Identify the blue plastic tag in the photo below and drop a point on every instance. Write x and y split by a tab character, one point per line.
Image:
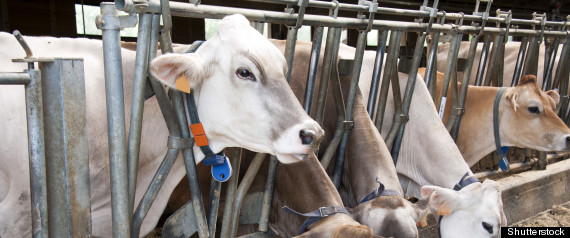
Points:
222	172
504	163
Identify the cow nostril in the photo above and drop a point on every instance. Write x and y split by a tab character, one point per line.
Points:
307	137
568	140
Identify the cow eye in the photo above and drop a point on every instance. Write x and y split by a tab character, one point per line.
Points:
534	110
244	73
488	227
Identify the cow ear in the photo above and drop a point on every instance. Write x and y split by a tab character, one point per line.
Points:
443	200
529	78
512	96
179	71
421	208
554	95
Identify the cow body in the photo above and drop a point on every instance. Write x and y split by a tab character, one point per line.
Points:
257	131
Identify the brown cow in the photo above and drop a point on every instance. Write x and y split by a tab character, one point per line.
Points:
527	119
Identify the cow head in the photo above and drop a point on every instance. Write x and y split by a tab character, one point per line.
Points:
474	211
528	118
392	216
243	99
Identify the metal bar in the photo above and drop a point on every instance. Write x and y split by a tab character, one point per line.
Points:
411	13
36	152
378	63
451	64
531	60
215	192
412	75
208	11
389	69
355	75
153	189
546	85
116	126
398	109
235	157
243	187
137	104
313	67
520	60
268	194
483	61
14	78
560	77
464	85
495	70
65	124
290	51
430	77
326	73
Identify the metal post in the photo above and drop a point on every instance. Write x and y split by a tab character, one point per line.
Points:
116	124
313	66
63	86
326	72
483	61
215	193
561	78
290	50
531	60
430	77
137	105
355	75
235	156
389	69
451	64
549	68
412	75
378	63
36	152
268	194
520	60
495	71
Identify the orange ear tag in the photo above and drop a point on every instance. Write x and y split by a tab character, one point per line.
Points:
182	84
443	210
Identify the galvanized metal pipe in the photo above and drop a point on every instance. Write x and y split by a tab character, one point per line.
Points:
412	75
313	67
451	66
531	60
548	70
36	152
235	157
560	77
495	70
208	11
520	60
355	75
268	194
378	63
389	69
137	104
430	77
215	193
459	110
483	61
243	187
14	78
398	110
116	125
153	189
290	51
326	73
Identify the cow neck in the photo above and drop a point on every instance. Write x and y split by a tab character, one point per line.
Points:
221	167
463	182
380	191
503	162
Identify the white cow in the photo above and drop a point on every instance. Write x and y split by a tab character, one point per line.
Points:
428	156
242	99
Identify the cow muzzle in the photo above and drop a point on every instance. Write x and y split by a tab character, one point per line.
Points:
295	143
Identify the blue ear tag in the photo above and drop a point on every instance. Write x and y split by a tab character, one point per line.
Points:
222	172
503	162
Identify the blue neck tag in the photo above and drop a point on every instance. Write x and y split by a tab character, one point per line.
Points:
503	162
222	172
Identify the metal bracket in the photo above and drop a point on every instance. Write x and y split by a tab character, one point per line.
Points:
432	11
195	2
405	118
372	8
333	12
180	143
115	22
347	125
508	16
484	15
542	18
459	111
303	4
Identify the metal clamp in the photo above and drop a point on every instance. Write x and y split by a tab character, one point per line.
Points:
196	2
303	4
484	15
180	143
110	21
372	8
508	16
333	12
405	118
542	18
459	22
459	111
347	125
432	12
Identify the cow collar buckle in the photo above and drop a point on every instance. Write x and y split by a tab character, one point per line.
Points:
325	211
380	191
463	182
316	215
